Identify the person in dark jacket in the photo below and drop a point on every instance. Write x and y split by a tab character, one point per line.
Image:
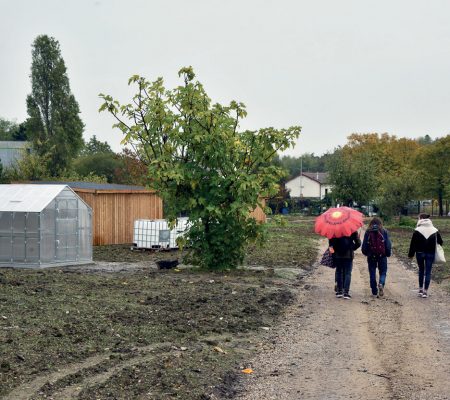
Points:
423	245
377	247
343	252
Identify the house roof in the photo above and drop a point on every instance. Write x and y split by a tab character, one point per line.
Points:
320	177
27	198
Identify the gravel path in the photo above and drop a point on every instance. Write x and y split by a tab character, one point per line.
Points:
395	347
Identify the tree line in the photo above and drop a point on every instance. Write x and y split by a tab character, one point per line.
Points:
390	171
55	129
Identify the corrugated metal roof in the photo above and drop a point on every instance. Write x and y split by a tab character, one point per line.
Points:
27	198
9	144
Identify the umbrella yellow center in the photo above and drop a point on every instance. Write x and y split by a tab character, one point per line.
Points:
336	214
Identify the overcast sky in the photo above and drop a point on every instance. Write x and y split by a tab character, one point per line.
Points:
332	66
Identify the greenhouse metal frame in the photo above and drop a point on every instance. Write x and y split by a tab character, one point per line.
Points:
43	226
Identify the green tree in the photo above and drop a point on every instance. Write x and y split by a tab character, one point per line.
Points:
54	123
353	177
100	164
202	163
10	130
95	146
434	164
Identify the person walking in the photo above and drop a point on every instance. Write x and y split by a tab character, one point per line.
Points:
377	247
342	249
423	245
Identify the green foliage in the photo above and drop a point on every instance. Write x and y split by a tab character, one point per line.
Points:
95	146
434	164
54	124
202	163
396	192
133	170
30	167
372	167
407	222
99	164
354	178
10	130
306	162
75	177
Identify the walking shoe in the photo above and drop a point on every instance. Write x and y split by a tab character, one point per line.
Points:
424	294
380	290
420	292
347	296
339	295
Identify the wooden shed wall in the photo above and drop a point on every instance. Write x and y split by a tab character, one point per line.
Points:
114	213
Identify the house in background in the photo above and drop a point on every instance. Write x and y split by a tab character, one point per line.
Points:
311	185
12	151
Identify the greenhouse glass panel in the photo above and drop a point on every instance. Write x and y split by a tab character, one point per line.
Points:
43	225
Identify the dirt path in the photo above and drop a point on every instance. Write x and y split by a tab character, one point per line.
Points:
395	347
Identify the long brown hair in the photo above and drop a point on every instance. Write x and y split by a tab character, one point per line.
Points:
376	221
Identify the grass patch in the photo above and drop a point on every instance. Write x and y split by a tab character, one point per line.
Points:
292	245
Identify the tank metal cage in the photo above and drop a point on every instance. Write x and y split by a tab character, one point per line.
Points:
42	226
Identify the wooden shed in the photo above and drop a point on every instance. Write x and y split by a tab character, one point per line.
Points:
258	213
115	208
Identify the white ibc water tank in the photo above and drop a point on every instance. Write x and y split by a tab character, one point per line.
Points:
156	234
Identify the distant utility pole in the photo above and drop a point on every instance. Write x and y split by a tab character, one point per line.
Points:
301	177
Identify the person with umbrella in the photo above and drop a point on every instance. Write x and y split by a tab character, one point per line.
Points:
340	226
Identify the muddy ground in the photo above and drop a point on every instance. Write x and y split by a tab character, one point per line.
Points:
121	329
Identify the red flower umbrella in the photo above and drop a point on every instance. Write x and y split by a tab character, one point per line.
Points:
338	222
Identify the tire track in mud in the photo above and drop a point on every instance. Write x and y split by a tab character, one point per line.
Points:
31	389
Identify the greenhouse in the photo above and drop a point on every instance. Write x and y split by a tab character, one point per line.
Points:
43	226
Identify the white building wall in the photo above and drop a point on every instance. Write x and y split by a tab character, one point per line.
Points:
310	188
324	189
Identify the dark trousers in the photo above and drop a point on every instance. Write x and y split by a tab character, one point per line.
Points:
425	263
373	264
343	274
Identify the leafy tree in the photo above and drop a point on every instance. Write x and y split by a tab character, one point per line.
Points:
95	146
202	163
30	167
10	130
366	169
396	192
424	140
434	164
99	164
353	177
54	123
133	170
306	162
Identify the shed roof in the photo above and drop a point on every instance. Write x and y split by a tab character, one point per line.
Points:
28	198
91	186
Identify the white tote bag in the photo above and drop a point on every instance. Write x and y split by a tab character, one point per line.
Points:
439	256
